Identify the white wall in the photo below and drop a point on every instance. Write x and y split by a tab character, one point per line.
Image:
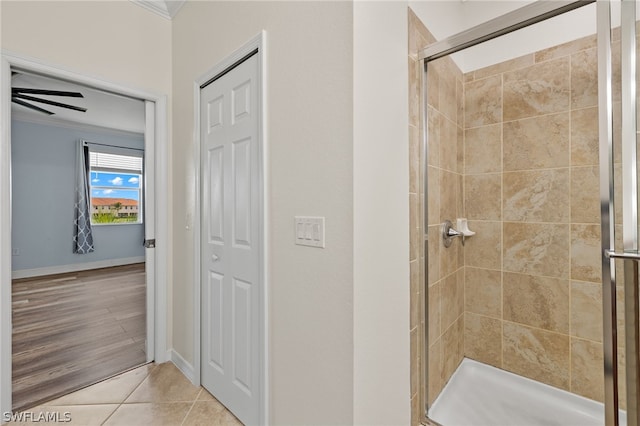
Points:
43	194
381	214
309	119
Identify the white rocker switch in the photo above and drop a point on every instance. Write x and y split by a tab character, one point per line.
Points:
309	231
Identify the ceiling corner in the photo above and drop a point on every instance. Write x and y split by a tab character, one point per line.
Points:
165	8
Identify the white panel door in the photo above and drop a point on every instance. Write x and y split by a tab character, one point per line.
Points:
231	241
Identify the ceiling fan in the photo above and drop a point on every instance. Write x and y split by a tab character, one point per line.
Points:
20	96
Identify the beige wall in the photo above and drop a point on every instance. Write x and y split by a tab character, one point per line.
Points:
116	40
310	172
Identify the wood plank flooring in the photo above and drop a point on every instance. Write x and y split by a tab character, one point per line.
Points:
73	330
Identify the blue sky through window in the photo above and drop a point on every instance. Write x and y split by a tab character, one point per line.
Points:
115	185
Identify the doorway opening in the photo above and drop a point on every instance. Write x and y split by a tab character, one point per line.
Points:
133	279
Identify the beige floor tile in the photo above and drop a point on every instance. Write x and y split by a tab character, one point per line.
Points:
207	413
205	396
81	415
114	390
169	413
164	383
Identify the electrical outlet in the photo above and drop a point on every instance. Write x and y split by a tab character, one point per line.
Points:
15	252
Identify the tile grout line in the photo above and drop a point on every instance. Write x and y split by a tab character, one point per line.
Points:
193	404
128	396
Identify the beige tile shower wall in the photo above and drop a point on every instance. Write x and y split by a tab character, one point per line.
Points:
533	297
445	176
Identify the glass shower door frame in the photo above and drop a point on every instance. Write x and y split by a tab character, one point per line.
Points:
629	181
520	18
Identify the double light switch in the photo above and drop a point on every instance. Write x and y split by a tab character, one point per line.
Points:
309	231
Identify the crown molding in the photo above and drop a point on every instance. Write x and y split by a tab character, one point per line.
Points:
165	8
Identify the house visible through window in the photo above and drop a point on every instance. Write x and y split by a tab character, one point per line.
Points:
116	188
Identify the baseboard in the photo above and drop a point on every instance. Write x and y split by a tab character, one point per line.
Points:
63	269
183	365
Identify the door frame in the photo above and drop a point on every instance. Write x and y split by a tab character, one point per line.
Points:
158	290
256	43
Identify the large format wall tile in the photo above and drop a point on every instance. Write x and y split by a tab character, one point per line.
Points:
483	102
483	196
433	194
453	348
433	137
585	253
537	196
435	370
584	78
585	194
537	249
537	354
483	292
414	95
536	90
414	159
584	137
452	300
484	250
448	196
433	261
586	310
435	322
483	149
448	144
565	49
540	302
539	142
483	339
586	365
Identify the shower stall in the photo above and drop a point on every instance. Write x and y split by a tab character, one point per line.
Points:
524	225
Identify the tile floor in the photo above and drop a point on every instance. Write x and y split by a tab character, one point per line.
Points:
148	395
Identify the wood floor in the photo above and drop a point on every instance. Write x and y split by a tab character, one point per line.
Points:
73	330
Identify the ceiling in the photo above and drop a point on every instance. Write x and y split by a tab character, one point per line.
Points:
103	109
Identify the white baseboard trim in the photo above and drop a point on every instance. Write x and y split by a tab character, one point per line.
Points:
63	269
183	365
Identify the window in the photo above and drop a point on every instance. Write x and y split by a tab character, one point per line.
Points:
116	187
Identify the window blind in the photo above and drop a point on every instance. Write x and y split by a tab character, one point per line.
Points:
103	160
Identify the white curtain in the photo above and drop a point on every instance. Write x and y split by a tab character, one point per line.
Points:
82	237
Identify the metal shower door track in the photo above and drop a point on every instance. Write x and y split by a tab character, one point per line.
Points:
520	18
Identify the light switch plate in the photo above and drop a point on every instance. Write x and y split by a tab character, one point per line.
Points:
309	231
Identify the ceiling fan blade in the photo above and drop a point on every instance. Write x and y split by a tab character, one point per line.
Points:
28	105
48	102
17	90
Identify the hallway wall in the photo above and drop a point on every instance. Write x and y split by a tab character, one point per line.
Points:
309	172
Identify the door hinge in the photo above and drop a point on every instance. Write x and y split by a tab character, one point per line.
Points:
150	243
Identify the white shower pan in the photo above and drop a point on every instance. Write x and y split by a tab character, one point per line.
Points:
481	395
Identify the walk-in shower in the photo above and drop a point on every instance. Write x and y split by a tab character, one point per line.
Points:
534	319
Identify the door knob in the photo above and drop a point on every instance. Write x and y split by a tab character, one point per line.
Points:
214	257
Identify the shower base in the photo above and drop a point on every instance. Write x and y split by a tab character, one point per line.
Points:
481	395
